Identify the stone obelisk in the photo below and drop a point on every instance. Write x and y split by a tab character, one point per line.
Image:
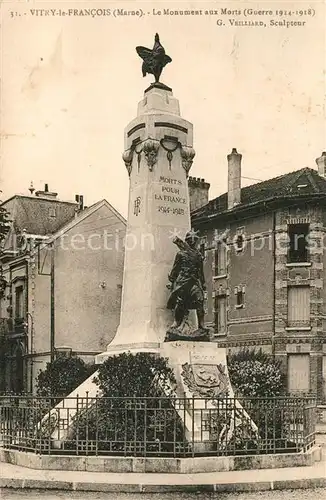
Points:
158	155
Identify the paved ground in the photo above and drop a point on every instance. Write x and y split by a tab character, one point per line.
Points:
313	494
264	484
16	477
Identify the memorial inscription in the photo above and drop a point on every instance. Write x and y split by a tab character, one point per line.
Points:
170	193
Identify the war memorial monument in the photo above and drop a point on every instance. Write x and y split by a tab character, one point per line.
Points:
162	309
163	286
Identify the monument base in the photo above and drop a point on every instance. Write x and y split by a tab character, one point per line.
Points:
199	335
158	85
134	348
199	367
201	374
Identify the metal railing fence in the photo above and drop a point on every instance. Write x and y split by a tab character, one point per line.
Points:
165	426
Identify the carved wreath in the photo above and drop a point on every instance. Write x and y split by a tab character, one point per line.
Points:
187	157
150	149
127	158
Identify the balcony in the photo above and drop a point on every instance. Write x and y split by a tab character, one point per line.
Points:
298	325
12	327
298	264
19	326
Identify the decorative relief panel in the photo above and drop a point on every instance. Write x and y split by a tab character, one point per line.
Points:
150	148
187	157
204	380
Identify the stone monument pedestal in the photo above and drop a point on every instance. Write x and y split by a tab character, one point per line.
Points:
158	155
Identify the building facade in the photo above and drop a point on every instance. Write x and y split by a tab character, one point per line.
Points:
265	265
62	269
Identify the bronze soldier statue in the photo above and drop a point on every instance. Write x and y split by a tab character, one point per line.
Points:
187	285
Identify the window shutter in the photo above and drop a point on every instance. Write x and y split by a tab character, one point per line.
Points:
298	306
298	373
220	314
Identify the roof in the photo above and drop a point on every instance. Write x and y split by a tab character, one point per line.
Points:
82	215
301	183
71	219
39	215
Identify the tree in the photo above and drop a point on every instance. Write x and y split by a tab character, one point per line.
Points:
4	223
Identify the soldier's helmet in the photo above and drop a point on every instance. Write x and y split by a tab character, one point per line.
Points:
192	237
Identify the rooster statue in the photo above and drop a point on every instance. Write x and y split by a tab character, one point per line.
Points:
153	60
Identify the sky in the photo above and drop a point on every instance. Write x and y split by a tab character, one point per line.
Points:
70	85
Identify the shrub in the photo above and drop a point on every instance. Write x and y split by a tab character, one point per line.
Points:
130	414
139	375
62	376
255	374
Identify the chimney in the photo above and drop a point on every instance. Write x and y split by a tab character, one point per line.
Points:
234	178
80	200
46	193
321	163
31	188
198	192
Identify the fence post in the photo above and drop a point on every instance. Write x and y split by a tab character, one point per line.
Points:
96	424
184	423
193	427
135	420
145	428
87	434
77	423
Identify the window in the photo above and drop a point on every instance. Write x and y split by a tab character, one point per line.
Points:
220	315
324	376
52	212
298	373
298	306
298	242
239	297
19	303
220	258
239	241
